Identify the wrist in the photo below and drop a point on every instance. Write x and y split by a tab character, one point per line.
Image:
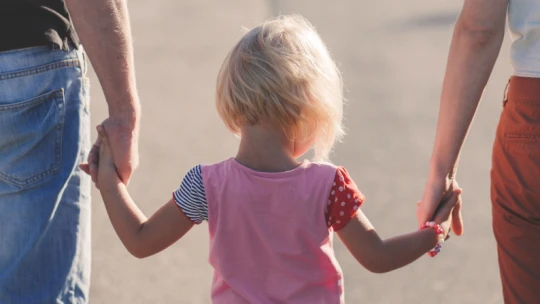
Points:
438	172
111	176
436	234
126	113
125	120
442	169
440	179
431	238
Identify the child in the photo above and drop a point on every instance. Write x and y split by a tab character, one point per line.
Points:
271	217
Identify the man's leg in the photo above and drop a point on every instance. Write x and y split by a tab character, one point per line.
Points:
44	197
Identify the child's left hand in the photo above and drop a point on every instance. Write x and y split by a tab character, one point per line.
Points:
443	214
107	173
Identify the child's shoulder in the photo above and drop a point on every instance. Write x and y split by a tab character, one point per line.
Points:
329	166
339	173
218	169
224	166
223	163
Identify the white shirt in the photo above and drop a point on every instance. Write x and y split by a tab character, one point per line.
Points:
524	26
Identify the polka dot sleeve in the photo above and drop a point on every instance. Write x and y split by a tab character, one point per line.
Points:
344	200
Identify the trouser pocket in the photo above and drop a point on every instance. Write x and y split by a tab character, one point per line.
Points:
31	138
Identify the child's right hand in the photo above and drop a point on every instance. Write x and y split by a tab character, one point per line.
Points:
443	214
107	173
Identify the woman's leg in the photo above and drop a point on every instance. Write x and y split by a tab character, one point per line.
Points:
515	192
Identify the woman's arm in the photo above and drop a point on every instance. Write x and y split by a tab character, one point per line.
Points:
475	46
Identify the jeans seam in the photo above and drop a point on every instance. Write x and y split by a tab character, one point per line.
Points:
29	103
31	179
58	147
41	69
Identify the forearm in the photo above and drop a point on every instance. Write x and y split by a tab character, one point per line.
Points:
402	250
471	59
126	218
104	29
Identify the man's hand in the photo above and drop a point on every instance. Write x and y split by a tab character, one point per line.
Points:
434	194
124	142
123	138
107	173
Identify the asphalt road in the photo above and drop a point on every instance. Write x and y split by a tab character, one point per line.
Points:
392	55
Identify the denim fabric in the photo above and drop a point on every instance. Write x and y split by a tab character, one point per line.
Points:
44	196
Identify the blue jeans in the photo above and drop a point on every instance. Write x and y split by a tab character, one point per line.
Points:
44	196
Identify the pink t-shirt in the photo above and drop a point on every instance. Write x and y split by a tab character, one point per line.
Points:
271	233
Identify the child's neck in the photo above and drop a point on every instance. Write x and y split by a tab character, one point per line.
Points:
266	149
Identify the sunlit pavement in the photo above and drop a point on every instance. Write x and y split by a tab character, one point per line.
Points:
392	55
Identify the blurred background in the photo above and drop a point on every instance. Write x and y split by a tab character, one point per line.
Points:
392	55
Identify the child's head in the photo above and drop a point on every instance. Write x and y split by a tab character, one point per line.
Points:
281	74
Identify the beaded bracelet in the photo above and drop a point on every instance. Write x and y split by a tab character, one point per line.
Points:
440	237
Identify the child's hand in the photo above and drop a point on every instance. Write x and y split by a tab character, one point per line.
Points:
107	173
443	214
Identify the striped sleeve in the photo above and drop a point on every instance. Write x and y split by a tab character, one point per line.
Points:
191	197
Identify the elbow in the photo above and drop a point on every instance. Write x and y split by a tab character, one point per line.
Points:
377	269
380	270
477	33
139	254
138	251
376	265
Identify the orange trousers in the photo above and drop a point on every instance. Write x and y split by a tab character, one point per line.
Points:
515	192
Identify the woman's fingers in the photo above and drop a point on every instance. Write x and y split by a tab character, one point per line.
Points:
457	220
447	205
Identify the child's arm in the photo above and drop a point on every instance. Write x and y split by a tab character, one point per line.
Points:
380	256
142	237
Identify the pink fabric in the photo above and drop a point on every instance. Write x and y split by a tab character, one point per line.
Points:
269	242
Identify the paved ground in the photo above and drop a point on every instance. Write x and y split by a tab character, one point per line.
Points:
392	54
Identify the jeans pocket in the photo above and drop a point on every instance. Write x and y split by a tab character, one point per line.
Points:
31	139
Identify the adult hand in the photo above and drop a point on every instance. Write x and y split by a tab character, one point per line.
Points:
123	138
444	213
107	173
434	193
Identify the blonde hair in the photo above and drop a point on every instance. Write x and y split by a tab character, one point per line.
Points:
282	73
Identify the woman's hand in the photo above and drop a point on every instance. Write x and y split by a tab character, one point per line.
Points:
434	198
444	213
